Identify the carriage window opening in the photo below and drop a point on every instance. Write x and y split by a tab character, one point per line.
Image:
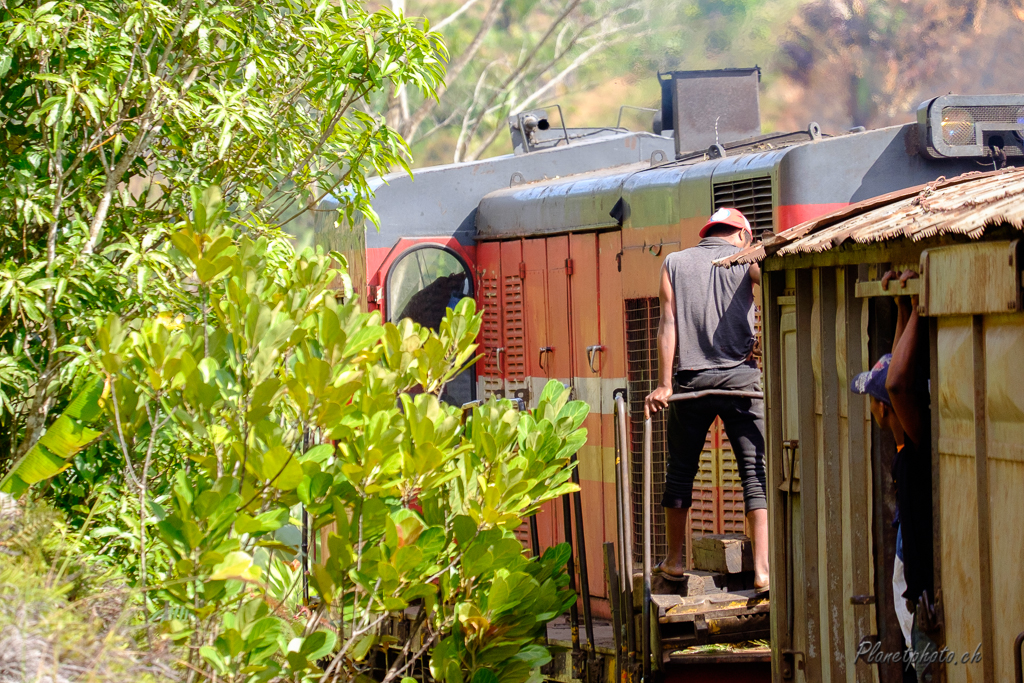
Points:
424	282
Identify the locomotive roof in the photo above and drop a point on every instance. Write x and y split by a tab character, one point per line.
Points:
583	201
964	205
574	203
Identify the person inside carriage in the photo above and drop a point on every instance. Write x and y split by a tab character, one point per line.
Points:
707	322
898	389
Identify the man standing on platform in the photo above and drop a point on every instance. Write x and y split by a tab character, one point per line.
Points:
706	341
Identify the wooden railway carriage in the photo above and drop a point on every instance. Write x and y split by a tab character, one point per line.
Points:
826	319
561	244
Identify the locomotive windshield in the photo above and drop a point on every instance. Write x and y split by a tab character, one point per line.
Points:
422	284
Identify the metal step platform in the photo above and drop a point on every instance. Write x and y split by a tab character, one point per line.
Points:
654	622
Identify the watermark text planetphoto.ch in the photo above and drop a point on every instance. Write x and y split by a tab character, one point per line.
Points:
873	654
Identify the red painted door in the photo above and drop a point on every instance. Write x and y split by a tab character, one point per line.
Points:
558	362
585	338
538	362
611	364
535	256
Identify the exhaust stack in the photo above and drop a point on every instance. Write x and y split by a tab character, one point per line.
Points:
705	108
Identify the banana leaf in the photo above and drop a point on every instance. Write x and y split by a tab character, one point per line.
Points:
52	454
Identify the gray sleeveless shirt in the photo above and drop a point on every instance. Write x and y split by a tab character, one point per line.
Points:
714	306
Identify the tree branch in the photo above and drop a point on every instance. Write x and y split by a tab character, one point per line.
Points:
455	70
453	16
503	88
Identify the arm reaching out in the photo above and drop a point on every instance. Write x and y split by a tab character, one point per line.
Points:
658	399
904	312
902	381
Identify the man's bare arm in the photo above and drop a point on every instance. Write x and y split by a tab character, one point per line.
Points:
658	399
755	273
903	312
902	382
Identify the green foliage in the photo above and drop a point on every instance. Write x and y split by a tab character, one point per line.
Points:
184	384
111	111
263	391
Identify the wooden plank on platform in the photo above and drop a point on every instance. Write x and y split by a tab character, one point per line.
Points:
726	553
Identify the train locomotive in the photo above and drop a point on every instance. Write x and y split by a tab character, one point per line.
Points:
561	244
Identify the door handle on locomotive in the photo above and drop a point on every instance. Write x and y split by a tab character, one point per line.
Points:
592	351
497	357
540	356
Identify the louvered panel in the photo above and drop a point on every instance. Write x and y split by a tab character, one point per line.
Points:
752	196
515	330
704	509
731	512
490	330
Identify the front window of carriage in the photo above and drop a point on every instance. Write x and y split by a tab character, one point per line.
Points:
424	282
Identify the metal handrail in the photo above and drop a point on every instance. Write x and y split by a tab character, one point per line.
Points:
625	529
648	466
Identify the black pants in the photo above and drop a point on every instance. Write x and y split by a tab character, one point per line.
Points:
688	424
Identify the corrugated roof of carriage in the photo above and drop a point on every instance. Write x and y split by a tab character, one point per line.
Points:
964	205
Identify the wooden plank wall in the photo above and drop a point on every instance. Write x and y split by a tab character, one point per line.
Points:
855	419
840	543
832	554
1004	413
773	342
808	610
981	476
961	589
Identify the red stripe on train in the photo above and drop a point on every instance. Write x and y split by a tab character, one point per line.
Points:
794	214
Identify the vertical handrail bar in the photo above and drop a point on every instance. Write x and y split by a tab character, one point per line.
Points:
574	614
626	556
581	553
614	601
627	497
648	477
617	592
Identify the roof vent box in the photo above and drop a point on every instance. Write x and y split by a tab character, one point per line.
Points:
710	107
971	126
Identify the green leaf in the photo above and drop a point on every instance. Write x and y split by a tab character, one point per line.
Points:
362	647
281	470
318	644
64	439
236	565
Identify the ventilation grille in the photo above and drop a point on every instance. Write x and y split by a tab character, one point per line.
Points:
490	331
752	196
642	317
515	330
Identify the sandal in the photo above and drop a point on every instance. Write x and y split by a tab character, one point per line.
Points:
660	571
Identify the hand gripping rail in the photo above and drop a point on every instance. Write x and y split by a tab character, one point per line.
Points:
648	488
